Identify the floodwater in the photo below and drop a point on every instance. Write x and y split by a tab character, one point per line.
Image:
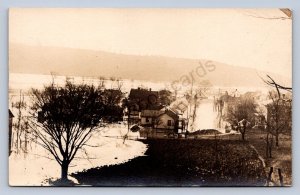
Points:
205	115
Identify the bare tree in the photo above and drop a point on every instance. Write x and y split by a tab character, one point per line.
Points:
128	105
112	80
63	119
119	84
269	143
175	90
21	124
196	103
280	110
242	112
279	116
101	82
271	82
189	99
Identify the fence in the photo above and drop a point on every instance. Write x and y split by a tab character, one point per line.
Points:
270	180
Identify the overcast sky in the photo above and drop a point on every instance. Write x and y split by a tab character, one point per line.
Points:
240	37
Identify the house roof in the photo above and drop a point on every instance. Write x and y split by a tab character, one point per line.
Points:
151	113
145	99
143	94
170	113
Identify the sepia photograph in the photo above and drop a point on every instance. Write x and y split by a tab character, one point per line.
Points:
151	97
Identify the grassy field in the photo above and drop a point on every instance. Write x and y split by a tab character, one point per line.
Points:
184	162
281	156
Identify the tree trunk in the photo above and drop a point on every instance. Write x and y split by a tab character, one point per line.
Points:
10	136
128	126
64	171
267	147
243	131
277	139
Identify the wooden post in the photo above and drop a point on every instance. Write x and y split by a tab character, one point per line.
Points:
267	148
280	177
270	175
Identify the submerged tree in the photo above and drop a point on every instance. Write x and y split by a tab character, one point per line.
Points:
129	105
63	119
21	124
113	108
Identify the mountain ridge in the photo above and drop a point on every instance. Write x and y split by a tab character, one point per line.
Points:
82	62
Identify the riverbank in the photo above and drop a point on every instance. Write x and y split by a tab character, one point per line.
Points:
178	162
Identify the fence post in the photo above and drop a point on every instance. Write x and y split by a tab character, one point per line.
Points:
270	175
280	177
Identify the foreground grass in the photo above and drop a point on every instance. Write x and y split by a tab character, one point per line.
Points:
281	156
181	162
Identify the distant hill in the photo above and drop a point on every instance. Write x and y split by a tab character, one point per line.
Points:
79	62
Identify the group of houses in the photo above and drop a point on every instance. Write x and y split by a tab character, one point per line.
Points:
149	113
265	109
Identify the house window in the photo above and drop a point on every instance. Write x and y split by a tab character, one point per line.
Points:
169	123
179	123
147	120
